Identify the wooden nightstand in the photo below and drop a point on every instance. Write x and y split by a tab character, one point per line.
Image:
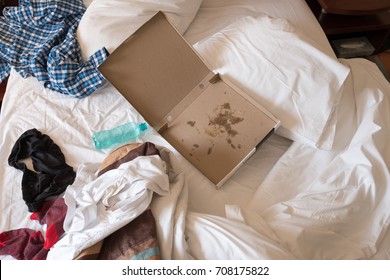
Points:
355	7
370	19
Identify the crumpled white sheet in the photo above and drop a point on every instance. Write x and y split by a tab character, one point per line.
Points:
317	204
27	105
213	237
98	206
335	205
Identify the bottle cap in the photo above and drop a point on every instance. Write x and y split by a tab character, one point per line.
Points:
143	126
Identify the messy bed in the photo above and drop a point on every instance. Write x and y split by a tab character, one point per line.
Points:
317	188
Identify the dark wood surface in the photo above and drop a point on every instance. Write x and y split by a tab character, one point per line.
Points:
5	3
355	7
338	24
376	27
2	91
2	88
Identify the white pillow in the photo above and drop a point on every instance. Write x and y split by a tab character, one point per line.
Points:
283	70
107	23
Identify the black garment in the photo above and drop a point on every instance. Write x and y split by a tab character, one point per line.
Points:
52	174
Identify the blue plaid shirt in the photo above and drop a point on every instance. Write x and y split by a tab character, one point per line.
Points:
38	38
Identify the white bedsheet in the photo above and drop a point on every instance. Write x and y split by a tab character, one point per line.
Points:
278	197
70	123
321	204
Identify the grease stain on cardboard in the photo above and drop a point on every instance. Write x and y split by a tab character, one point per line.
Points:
221	124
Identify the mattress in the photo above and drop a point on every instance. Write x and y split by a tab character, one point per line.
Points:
316	189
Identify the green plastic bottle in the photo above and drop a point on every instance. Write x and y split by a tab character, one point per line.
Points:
118	135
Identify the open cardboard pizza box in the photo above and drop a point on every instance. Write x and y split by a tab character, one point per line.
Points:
210	121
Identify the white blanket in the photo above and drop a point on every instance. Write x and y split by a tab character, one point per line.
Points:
321	204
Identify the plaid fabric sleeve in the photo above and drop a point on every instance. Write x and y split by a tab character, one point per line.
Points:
38	38
67	74
5	42
4	70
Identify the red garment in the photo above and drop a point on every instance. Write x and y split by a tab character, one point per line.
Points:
27	244
22	244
